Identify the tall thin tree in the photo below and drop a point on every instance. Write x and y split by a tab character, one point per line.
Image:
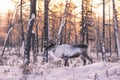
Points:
46	3
103	34
98	38
22	29
21	20
62	24
86	20
110	31
11	26
82	24
36	38
116	33
29	32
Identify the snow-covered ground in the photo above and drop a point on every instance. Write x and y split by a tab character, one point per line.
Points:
11	69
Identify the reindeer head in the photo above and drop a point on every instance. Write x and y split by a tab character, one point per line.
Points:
51	44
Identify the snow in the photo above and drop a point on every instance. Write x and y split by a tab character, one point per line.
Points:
61	27
32	17
100	71
33	32
22	48
13	70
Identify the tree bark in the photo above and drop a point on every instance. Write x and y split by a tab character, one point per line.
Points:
62	25
86	21
29	32
116	33
103	35
98	38
75	31
34	47
22	29
36	39
110	32
21	20
11	28
83	26
46	38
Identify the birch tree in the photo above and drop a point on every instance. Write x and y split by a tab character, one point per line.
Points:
62	24
29	32
22	29
11	26
116	33
6	40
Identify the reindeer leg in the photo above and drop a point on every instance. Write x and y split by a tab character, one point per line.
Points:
90	59
66	61
84	60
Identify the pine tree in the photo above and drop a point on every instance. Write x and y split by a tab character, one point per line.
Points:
86	21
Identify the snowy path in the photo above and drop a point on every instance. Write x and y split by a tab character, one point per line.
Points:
96	71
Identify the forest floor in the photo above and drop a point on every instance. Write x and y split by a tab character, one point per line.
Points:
11	69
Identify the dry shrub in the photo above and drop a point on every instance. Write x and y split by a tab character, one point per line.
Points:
112	58
3	60
26	69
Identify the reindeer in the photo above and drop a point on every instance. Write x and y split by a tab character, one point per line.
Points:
66	52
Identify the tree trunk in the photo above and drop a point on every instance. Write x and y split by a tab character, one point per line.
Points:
116	33
110	32
75	32
62	25
60	31
83	26
53	29
29	32
34	47
69	34
6	40
98	38
103	35
22	29
64	34
46	3
10	29
36	39
21	20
